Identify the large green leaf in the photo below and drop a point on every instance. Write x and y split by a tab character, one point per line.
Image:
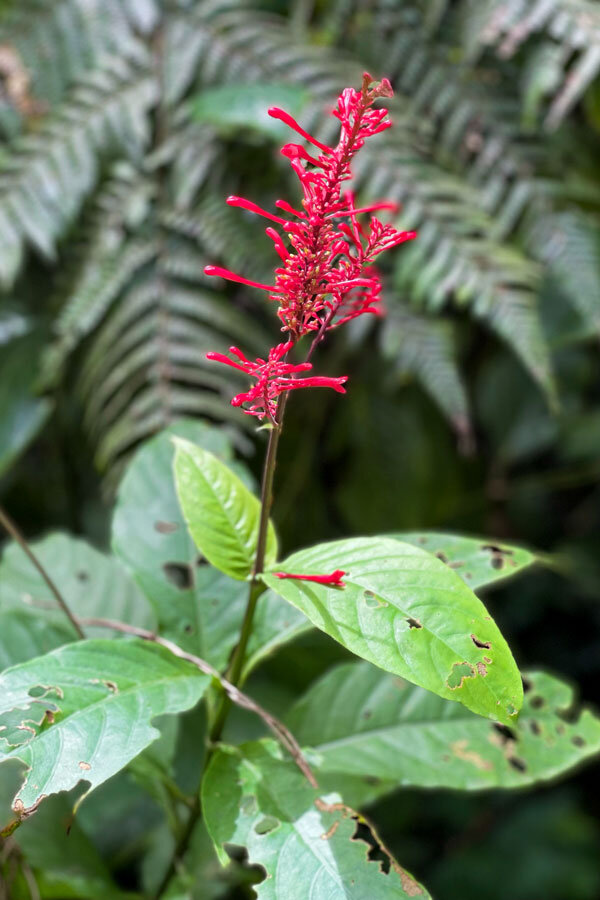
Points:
410	614
84	711
380	731
91	583
221	513
306	842
478	561
198	607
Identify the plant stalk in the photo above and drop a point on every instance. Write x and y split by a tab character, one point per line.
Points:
14	532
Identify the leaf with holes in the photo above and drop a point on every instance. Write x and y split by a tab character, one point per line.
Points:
198	607
407	612
92	583
478	561
254	798
84	711
221	513
372	729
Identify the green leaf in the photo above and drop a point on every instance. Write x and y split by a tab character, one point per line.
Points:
275	623
410	614
240	105
196	606
23	414
92	584
478	561
84	711
380	731
306	842
221	513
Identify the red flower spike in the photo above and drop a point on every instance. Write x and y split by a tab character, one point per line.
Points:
273	378
326	276
335	579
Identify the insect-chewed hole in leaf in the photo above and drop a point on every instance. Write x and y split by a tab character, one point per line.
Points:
165	527
188	628
506	733
498	555
179	574
41	690
578	741
414	623
483	645
534	727
201	561
266	825
537	702
373	601
84	766
375	852
519	764
82	575
460	671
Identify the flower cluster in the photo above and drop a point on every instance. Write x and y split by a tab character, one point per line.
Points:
272	379
326	277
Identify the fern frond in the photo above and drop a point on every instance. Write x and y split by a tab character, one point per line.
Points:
425	348
572	31
48	175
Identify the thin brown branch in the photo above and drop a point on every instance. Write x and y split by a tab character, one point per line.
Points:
280	731
14	532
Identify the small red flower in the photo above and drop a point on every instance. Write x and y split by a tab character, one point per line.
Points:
334	579
273	378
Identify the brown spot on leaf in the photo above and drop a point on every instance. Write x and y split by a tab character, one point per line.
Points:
414	623
487	660
537	702
166	527
535	728
331	830
459	749
578	741
518	764
410	887
85	766
482	669
82	575
442	556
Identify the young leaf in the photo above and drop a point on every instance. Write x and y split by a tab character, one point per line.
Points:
221	513
370	726
198	607
407	612
84	711
478	561
306	842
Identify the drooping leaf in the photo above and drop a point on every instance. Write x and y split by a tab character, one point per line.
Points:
92	584
478	561
379	731
410	614
84	711
253	797
221	513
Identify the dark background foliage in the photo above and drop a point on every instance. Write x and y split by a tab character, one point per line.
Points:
472	407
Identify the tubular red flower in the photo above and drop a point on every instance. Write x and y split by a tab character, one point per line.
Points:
273	378
335	579
252	207
277	113
231	276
